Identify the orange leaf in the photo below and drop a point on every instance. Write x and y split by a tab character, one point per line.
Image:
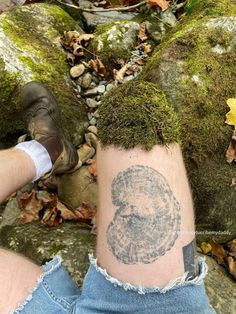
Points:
163	4
84	212
30	206
218	251
93	169
232	266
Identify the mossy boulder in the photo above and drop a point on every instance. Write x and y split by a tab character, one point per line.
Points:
137	114
30	50
195	67
114	40
41	243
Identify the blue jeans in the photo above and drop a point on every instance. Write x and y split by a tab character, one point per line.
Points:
56	293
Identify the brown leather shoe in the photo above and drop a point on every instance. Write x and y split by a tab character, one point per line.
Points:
42	115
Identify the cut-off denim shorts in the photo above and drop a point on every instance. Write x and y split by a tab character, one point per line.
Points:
56	293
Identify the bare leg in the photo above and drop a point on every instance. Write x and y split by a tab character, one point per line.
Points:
18	276
17	169
145	216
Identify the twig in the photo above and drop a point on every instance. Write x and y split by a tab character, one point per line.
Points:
104	10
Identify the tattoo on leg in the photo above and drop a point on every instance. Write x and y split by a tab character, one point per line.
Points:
189	255
147	219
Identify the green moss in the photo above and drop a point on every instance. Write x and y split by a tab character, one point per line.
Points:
47	63
210	7
137	114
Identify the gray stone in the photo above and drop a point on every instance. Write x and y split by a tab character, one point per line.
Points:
109	87
91	103
221	288
40	243
91	92
93	121
77	70
78	188
86	80
101	89
91	139
32	51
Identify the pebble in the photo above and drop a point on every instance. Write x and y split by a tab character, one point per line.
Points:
109	87
96	114
90	115
91	92
91	139
77	70
93	121
86	80
93	129
92	103
102	82
128	78
101	89
78	89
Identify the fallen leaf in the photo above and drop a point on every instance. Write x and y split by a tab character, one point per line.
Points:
69	39
218	252
232	266
97	66
142	34
84	212
231	150
231	115
163	4
119	75
232	246
206	247
30	206
85	38
93	169
52	217
65	213
140	61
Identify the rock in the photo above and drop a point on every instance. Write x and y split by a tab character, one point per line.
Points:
77	70
11	213
109	87
93	121
78	188
114	40
101	89
86	80
32	51
196	70
92	140
99	18
40	243
93	129
221	288
85	152
91	92
91	103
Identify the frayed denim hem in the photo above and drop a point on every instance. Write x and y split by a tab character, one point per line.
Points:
48	268
173	284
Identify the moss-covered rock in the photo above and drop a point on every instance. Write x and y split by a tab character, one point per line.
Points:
30	50
195	67
135	114
114	40
41	243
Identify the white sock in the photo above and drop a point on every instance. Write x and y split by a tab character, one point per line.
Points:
39	155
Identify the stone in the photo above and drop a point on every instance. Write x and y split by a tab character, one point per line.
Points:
91	92
220	288
93	121
109	87
32	51
78	188
77	70
114	40
91	103
93	129
86	80
41	244
91	139
196	70
85	152
101	89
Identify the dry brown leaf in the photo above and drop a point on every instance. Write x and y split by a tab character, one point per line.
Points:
85	38
232	266
119	75
69	39
52	217
141	61
163	4
97	66
231	151
142	35
84	212
30	206
218	251
65	213
93	169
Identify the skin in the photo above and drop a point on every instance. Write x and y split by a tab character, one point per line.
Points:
145	215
